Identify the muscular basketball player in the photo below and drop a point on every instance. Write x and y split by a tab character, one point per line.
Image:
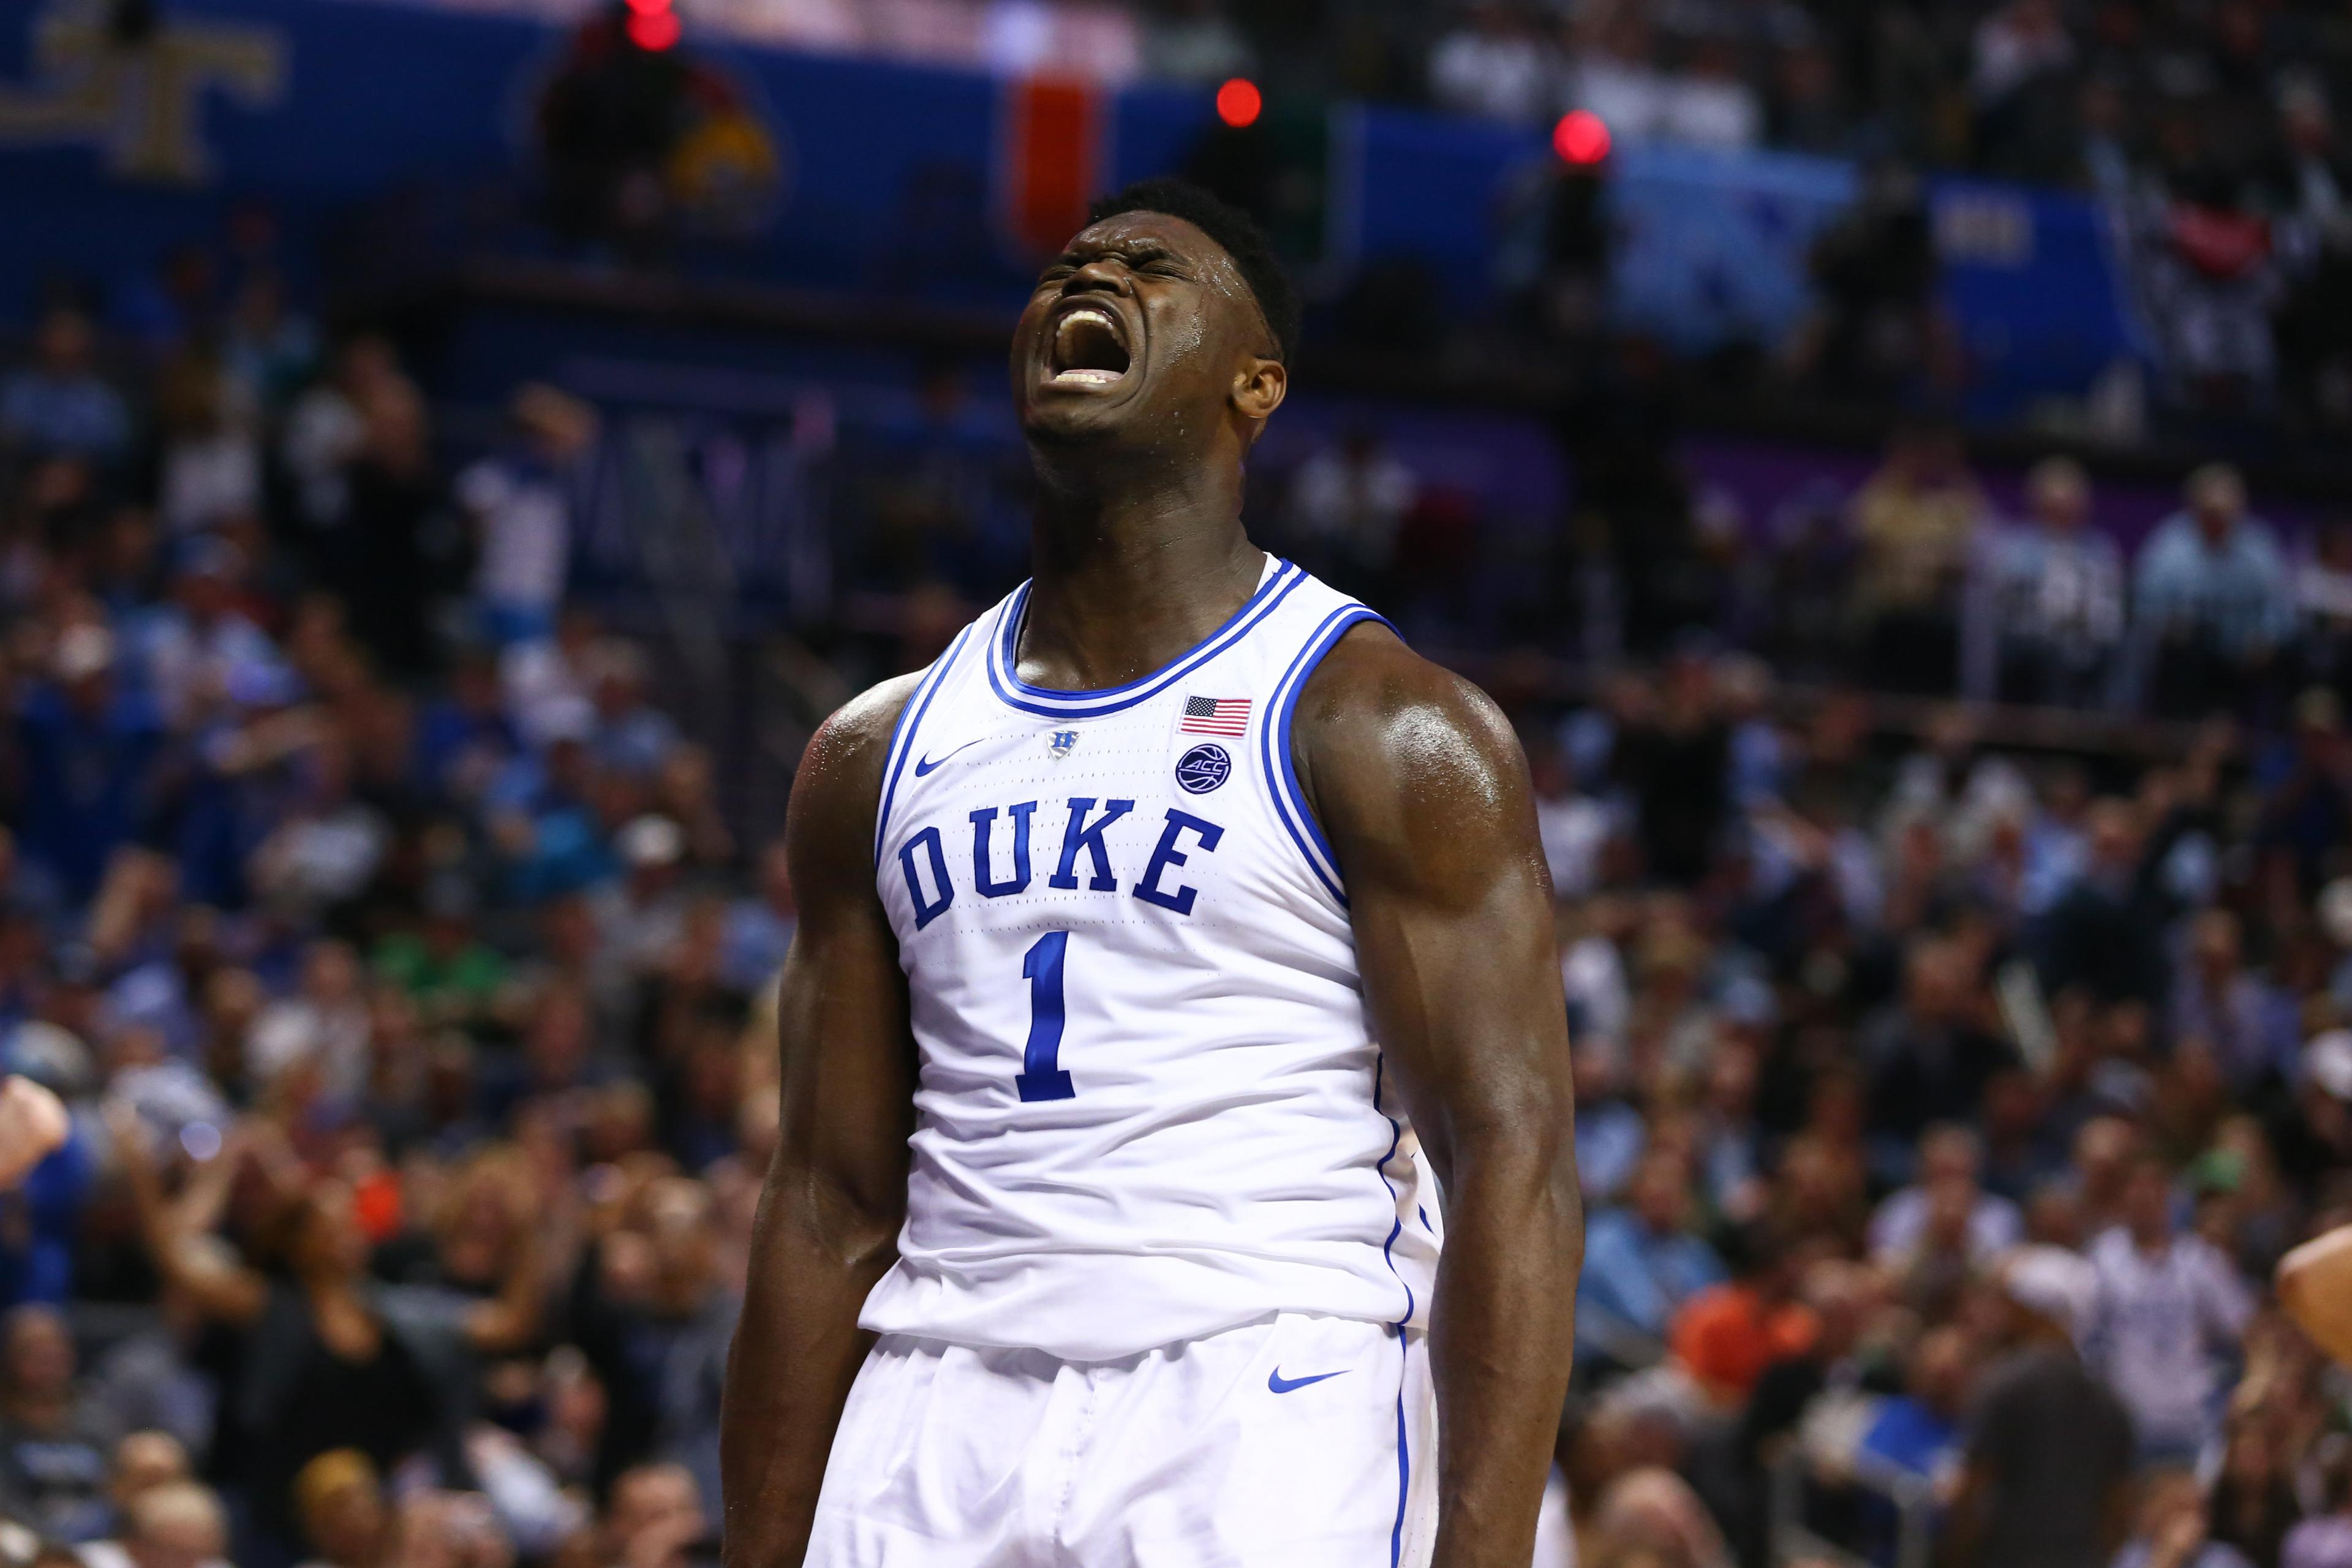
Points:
1167	948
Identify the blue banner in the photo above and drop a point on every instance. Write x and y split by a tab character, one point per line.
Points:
886	178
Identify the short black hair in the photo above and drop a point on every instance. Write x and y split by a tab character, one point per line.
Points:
1230	227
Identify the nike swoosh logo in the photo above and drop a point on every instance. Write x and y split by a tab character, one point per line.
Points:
1277	1383
925	765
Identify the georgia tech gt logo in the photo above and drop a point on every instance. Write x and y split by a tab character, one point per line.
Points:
135	95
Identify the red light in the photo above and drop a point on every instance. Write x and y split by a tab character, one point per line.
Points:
1238	102
1580	137
648	7
655	30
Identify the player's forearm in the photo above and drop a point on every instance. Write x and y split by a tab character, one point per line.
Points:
797	1349
1502	1334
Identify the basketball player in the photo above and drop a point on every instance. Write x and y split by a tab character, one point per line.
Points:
1165	949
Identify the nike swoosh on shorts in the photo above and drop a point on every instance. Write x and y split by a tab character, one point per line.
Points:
1277	1383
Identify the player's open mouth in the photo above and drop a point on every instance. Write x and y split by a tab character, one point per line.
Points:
1089	348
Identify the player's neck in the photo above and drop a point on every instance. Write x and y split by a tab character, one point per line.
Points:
1123	586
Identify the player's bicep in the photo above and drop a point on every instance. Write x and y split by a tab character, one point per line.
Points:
1425	796
848	1057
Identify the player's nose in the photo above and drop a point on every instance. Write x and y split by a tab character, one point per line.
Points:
1103	274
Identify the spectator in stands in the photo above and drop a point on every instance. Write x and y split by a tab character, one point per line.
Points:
339	1501
657	1520
1674	760
2322	606
1725	1335
398	549
2105	930
179	1524
520	502
142	1461
85	751
2056	593
211	460
1917	519
325	432
1877	330
760	926
2251	1029
2168	1306
330	1359
1950	1164
186	652
2253	1503
1641	1263
1347	503
59	405
1930	1055
1195	41
659	1342
2210	597
1492	63
54	1445
2049	1449
2022	92
1917	1434
633	737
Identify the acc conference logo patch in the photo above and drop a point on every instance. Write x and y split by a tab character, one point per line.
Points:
1204	768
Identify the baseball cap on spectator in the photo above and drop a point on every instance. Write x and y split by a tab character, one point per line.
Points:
2327	1063
2051	1283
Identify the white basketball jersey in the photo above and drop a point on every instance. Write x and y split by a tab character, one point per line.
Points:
1148	1109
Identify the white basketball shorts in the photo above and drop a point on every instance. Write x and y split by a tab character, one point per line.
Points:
1300	1442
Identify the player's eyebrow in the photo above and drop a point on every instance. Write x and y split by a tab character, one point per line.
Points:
1134	252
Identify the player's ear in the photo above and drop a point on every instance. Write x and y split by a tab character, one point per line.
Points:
1259	387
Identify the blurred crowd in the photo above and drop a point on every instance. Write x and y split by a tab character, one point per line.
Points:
1942	1114
388	944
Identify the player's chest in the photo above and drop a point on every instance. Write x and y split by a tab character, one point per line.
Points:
1155	808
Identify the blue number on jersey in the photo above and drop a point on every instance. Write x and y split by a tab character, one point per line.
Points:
1041	1076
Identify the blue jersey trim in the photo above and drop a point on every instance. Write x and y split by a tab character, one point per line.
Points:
1404	1346
1396	1225
1404	1457
1274	740
1017	693
902	735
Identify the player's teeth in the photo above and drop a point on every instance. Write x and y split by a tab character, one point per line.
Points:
1088	378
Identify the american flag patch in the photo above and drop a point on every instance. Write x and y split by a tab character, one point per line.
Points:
1215	715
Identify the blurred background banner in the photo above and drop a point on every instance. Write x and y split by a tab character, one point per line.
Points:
422	137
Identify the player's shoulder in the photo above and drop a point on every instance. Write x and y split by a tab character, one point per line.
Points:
1412	771
1375	701
838	788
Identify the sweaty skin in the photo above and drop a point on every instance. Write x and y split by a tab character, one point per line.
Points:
1139	553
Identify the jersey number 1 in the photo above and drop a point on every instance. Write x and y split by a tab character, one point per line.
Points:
1041	1076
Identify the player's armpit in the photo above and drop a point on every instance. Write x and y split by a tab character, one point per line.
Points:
837	1187
1420	786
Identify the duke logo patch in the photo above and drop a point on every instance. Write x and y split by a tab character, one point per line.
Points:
1061	743
1204	768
